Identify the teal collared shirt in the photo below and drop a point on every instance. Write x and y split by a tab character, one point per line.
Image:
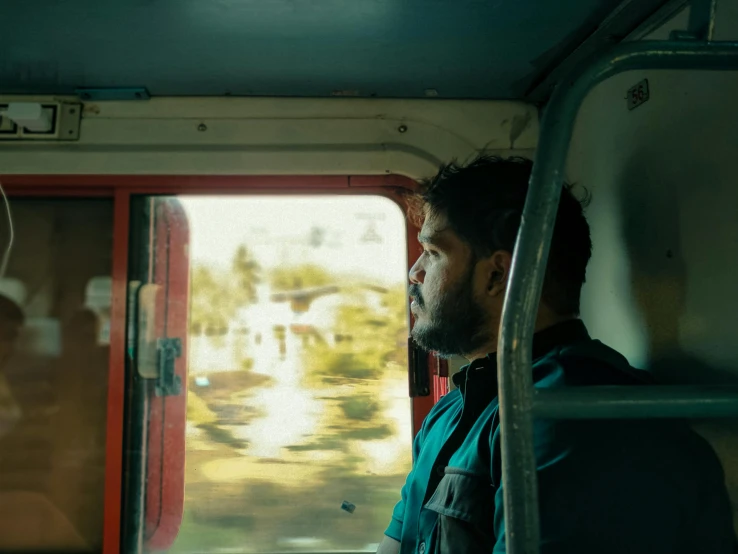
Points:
610	487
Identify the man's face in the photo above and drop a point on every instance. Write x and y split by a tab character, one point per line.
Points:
450	318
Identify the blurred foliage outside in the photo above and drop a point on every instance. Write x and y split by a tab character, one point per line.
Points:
235	500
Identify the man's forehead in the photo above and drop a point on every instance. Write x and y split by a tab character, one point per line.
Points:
433	224
437	230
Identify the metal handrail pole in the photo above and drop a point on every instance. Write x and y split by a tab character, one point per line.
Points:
647	402
531	254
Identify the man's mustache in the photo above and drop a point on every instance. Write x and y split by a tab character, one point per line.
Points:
415	293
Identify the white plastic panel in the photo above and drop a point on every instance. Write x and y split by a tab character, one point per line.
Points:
664	182
228	136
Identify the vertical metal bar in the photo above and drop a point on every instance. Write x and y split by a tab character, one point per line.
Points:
710	33
138	390
115	424
702	19
531	254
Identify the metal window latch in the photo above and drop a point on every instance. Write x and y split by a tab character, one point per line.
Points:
168	383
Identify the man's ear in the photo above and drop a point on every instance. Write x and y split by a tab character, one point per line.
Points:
498	272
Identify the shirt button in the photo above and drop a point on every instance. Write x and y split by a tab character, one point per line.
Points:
421	548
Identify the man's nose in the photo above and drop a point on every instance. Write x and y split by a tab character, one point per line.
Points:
417	274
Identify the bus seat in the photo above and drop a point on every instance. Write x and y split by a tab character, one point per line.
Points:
53	458
78	451
28	520
26	447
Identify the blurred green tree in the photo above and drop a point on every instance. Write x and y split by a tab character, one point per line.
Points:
369	339
288	278
217	295
211	305
247	273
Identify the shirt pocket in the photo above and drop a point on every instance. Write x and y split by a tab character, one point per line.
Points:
465	504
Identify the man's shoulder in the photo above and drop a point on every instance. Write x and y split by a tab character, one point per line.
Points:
587	363
655	443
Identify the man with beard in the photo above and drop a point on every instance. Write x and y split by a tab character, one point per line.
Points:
605	487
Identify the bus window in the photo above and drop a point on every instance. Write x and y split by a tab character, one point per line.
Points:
298	420
54	321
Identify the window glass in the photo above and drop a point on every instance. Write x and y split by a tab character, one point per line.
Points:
54	341
298	431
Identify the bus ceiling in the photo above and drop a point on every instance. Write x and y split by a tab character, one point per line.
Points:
471	49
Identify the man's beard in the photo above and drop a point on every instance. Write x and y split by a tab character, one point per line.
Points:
454	324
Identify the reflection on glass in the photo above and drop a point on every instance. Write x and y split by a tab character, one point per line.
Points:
298	417
54	321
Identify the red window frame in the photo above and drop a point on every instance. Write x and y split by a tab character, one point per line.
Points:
121	188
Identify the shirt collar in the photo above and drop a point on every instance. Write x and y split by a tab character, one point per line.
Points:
485	369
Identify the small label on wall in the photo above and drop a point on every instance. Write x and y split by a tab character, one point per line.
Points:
638	94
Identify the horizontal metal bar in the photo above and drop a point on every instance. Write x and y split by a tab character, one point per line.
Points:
657	20
626	18
638	402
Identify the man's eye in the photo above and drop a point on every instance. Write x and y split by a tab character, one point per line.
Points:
430	253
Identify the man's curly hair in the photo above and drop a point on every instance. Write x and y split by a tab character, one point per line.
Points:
483	203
